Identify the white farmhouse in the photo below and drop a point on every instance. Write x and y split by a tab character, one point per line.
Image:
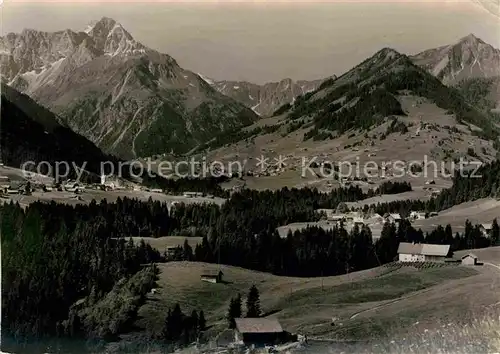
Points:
422	252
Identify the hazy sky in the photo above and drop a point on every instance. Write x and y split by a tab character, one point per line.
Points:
264	41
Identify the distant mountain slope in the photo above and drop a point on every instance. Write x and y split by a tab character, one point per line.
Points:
470	59
265	99
30	132
126	98
365	95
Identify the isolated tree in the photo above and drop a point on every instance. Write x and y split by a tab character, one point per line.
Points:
253	302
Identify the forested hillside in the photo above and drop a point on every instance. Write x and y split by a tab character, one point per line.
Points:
367	94
467	186
52	257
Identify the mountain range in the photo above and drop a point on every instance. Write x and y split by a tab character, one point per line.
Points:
367	94
133	101
267	98
470	64
126	98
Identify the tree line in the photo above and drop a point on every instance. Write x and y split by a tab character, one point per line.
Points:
183	329
467	186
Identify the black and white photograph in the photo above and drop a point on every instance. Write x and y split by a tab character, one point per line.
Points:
250	177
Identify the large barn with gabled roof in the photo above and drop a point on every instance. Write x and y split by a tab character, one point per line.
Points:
422	252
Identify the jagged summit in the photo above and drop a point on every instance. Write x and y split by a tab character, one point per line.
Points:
106	26
389	51
471	37
469	57
128	99
110	37
105	23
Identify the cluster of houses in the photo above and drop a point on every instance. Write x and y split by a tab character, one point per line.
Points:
8	187
355	217
192	194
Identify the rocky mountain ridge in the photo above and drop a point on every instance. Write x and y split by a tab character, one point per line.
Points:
128	99
267	98
470	58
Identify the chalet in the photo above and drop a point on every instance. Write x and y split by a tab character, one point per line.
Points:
422	252
417	215
71	185
109	186
469	259
212	277
393	218
486	229
156	190
358	220
354	217
171	251
331	215
375	219
258	331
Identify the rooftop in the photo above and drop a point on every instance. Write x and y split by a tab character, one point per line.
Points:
423	249
212	273
258	325
470	255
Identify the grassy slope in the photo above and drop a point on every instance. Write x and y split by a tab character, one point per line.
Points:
304	307
161	243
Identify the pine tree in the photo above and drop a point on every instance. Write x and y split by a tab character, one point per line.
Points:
167	328
234	311
195	321
177	321
495	233
187	251
202	324
253	302
237	310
